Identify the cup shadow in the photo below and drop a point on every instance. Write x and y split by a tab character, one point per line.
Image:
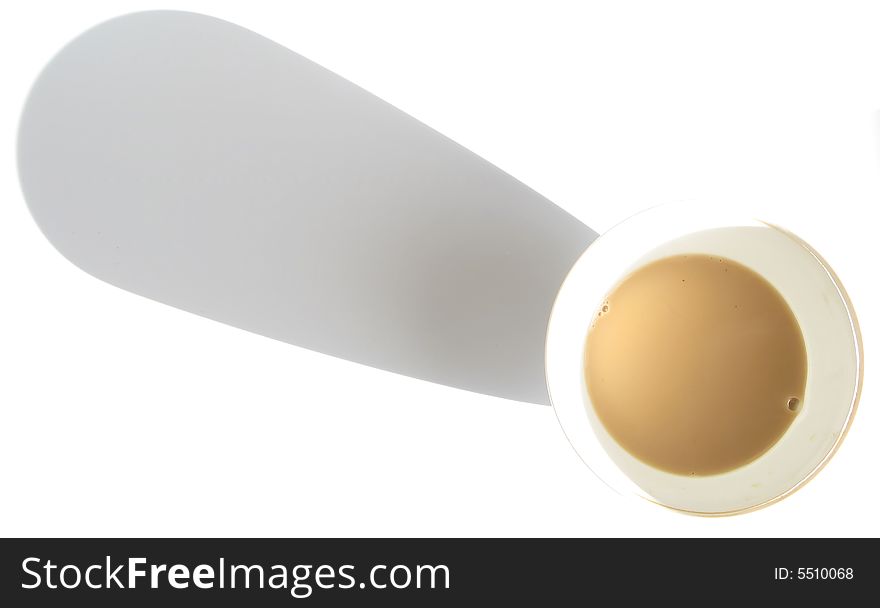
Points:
196	163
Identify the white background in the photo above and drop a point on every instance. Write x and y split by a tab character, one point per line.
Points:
121	416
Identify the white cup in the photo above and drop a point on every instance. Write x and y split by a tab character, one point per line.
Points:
812	291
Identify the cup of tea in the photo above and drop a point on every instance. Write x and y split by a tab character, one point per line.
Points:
703	360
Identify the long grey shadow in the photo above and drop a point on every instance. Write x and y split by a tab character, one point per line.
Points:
196	163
